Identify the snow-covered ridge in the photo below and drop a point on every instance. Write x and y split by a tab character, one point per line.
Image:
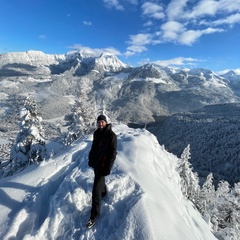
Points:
53	200
102	62
58	63
108	61
30	57
230	71
232	75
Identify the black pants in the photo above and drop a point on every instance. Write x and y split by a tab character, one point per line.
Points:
99	187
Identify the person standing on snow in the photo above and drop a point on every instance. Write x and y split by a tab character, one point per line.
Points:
101	158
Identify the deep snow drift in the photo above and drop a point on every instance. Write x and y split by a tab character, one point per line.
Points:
53	200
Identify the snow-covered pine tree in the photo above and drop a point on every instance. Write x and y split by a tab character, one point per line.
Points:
228	211
207	192
4	157
189	179
207	200
235	201
82	120
102	109
221	208
30	142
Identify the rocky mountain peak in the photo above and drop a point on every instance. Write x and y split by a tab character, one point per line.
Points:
148	70
108	63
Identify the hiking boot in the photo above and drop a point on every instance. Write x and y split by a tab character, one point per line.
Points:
91	223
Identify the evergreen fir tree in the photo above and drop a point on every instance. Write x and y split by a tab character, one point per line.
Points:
189	179
235	201
207	194
30	142
102	109
221	208
226	209
82	120
207	202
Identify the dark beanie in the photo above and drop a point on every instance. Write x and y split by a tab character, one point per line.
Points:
102	117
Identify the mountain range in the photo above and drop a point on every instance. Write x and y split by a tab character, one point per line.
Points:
171	102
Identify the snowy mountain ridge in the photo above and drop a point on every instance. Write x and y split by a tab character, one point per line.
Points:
108	61
149	90
30	57
52	200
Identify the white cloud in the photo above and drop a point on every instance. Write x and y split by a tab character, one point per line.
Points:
204	8
229	6
212	30
136	48
175	9
189	37
129	53
179	61
171	30
183	22
132	50
178	34
153	10
230	20
137	43
148	24
140	39
113	4
184	10
87	23
96	51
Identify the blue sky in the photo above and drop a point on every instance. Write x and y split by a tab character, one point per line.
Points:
179	33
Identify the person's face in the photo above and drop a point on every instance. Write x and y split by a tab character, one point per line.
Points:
101	124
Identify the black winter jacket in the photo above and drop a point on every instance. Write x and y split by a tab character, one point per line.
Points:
103	151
